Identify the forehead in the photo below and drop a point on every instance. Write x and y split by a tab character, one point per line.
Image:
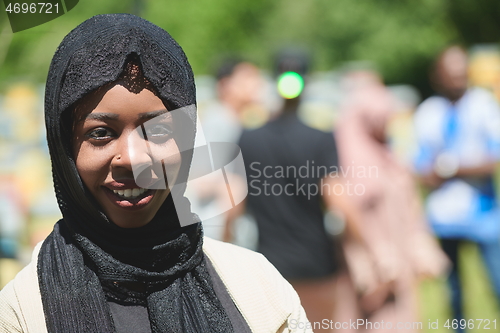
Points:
117	98
453	60
245	69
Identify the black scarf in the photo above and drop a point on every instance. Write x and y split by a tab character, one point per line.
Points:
87	259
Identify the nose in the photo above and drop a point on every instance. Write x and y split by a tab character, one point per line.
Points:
132	153
135	153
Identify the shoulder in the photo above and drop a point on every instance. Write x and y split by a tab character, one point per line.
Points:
479	100
10	312
248	134
251	141
429	116
265	299
21	303
431	105
478	94
313	137
232	259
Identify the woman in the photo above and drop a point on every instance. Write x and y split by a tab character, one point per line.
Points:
388	247
119	260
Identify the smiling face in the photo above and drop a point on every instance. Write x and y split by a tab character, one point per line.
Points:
108	143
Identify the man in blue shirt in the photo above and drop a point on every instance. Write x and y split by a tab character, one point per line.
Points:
458	136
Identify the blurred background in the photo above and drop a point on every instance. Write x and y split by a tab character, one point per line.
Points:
397	39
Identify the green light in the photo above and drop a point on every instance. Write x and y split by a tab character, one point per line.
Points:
290	85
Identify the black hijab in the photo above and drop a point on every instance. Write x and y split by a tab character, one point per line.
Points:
88	260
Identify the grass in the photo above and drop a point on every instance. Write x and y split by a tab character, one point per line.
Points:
479	298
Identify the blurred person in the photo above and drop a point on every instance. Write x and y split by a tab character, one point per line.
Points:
238	88
387	243
12	217
12	224
286	162
127	257
458	137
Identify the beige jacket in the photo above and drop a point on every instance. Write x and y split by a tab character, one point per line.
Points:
266	300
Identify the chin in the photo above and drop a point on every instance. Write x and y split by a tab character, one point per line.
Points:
130	221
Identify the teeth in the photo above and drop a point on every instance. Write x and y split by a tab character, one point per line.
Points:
130	193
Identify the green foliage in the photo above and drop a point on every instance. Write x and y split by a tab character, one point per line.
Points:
30	51
207	28
478	21
399	37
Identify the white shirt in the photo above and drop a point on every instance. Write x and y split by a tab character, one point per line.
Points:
476	140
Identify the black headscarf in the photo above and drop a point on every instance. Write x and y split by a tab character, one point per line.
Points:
88	260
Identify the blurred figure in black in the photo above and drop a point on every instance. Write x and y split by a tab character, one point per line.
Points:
286	162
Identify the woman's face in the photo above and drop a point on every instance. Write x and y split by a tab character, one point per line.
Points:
108	143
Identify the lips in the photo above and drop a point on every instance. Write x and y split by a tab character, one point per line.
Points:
129	198
130	193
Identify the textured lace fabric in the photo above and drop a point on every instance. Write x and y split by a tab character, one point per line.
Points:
87	259
131	318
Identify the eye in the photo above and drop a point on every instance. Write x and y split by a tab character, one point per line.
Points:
159	131
100	133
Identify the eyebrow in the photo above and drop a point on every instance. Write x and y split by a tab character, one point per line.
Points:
114	116
152	114
101	116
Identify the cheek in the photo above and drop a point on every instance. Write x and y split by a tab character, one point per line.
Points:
169	155
91	165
